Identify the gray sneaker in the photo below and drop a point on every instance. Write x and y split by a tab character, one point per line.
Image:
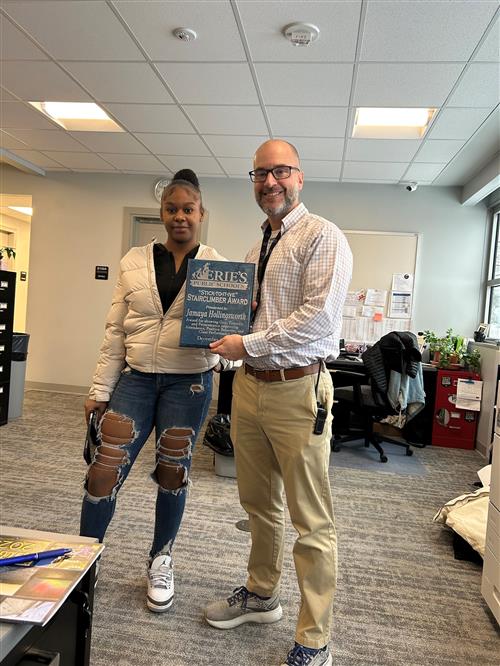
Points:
299	655
243	606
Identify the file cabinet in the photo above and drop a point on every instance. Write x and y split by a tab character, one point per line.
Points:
7	297
452	427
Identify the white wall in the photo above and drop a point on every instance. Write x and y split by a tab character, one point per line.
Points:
78	223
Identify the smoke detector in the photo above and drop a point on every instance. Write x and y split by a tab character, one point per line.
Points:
301	34
185	34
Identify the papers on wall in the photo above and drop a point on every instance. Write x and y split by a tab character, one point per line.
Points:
469	394
364	329
400	305
401	296
353	303
402	282
376	297
371	311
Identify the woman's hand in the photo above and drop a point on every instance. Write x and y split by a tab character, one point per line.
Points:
94	406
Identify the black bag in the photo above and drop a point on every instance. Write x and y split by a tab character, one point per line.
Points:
217	435
91	439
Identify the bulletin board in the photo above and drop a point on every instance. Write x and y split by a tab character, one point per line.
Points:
378	255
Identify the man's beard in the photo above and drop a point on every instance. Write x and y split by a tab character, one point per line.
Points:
291	197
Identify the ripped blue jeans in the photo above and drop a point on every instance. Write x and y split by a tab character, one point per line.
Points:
176	406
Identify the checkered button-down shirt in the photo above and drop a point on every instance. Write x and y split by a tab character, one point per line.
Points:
299	317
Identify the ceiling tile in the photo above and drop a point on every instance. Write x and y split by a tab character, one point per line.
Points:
227	119
263	23
135	162
153	22
310	121
174	144
80	160
374	170
334	82
202	166
235	146
320	169
439	151
210	83
41	81
405	85
457	123
424	31
151	117
120	82
48	140
37	158
490	48
381	150
317	149
11	143
74	30
476	153
110	142
425	172
479	86
393	181
17	114
16	46
236	166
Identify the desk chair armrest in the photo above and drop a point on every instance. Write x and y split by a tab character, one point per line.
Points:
348	378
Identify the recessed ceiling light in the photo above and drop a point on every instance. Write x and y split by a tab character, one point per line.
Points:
392	123
22	209
78	116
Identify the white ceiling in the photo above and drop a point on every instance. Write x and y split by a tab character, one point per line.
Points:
208	104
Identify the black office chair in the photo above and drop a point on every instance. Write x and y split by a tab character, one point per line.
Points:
361	397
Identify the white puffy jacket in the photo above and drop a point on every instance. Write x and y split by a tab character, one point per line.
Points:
138	334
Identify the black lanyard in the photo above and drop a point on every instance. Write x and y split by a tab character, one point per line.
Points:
263	259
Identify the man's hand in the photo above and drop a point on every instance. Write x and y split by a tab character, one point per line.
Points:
230	347
94	406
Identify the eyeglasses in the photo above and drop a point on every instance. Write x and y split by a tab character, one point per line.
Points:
279	172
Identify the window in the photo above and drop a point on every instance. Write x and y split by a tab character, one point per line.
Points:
492	311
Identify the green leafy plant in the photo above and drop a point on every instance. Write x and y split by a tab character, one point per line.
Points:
9	251
448	349
472	360
431	340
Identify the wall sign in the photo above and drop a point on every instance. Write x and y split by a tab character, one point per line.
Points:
101	272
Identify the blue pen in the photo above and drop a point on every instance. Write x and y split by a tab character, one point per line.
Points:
34	557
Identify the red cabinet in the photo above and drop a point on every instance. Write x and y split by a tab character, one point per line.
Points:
452	427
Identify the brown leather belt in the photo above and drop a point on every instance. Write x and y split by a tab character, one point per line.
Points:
283	374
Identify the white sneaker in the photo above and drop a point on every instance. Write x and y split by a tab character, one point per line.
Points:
160	584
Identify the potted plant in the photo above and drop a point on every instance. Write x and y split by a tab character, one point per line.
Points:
7	251
447	350
472	360
431	340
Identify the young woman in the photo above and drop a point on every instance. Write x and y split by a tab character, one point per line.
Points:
144	380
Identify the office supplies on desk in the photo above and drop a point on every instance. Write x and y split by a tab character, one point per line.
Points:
34	557
34	594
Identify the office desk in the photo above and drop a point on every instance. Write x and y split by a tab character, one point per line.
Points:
68	633
418	430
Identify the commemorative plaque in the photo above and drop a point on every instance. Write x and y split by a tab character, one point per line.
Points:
218	301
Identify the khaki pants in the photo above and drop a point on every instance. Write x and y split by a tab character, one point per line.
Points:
276	450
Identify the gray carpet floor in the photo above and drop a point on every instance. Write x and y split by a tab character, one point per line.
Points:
402	598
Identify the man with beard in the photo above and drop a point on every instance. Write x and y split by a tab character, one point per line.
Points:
281	410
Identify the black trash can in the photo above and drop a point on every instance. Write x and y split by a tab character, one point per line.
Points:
17	374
